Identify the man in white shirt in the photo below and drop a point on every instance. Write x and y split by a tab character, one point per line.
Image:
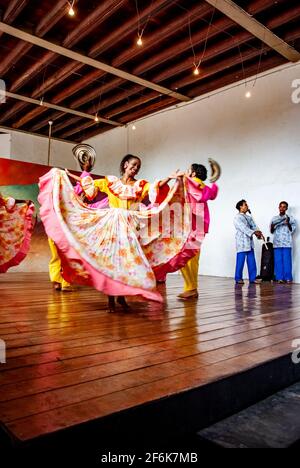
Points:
245	230
283	228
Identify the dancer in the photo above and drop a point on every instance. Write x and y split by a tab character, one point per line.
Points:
245	230
125	193
199	195
283	228
85	155
16	226
117	250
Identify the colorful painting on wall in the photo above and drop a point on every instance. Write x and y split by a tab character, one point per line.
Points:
20	180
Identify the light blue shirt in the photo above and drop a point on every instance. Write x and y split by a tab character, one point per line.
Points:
283	237
245	228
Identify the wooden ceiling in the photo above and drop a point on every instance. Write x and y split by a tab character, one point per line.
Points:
100	70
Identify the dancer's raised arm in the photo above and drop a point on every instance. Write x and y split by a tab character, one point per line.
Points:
72	176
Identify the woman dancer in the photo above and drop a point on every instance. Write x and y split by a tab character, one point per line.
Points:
118	250
85	155
125	193
198	194
16	226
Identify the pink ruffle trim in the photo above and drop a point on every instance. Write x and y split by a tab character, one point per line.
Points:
70	257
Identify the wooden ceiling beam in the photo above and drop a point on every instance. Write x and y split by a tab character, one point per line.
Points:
236	75
13	10
228	44
21	48
168	101
7	127
82	127
77	102
220	25
115	82
163	33
225	64
225	80
49	105
88	61
141	100
74	66
157	6
124	30
51	18
222	67
103	104
128	28
91	21
211	52
243	19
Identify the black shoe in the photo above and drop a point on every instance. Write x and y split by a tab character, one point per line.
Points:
122	301
111	304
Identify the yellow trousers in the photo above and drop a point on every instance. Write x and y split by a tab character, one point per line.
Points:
190	273
55	266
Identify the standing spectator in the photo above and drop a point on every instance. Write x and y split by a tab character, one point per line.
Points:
245	230
283	228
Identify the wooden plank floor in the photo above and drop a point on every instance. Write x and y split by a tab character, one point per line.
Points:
69	361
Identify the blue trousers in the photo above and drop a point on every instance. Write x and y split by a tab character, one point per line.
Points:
251	264
283	264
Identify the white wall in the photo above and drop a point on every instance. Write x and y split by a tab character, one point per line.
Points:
32	148
256	141
5	145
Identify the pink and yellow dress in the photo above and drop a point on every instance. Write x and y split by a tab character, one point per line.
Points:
121	249
198	196
16	226
55	264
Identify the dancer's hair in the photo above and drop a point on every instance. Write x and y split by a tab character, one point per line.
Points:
126	159
85	161
240	204
200	171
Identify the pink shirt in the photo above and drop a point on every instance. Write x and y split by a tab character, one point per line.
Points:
199	196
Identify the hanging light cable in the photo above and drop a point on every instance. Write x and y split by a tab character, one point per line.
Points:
140	30
71	10
197	63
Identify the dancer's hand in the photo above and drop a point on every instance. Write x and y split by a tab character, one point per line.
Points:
72	175
176	174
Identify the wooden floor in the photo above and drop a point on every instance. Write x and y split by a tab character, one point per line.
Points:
69	361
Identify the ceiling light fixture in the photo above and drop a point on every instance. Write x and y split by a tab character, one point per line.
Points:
71	10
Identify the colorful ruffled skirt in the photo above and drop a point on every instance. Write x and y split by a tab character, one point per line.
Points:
117	251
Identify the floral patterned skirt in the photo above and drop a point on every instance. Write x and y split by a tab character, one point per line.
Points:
117	251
